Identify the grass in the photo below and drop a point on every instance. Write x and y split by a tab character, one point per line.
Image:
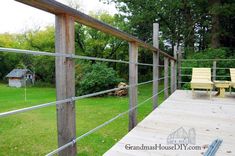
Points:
35	133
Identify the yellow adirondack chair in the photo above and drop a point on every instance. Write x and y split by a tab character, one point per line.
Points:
201	79
232	75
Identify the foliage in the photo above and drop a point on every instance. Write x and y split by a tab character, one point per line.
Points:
90	42
196	24
222	53
42	40
97	77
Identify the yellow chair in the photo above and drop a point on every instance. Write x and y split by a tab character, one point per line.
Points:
232	75
201	79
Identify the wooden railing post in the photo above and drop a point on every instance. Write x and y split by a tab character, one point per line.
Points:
175	76
214	70
172	76
179	67
133	81
175	67
155	64
166	77
175	51
65	83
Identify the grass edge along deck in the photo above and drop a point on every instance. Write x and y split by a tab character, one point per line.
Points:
211	119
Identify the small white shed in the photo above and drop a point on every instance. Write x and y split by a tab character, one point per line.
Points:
19	77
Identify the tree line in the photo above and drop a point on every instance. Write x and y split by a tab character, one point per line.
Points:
196	24
199	26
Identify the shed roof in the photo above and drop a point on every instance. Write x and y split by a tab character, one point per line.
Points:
17	73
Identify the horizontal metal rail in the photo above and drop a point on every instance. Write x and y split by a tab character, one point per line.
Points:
57	8
101	126
195	60
144	64
211	76
42	53
33	107
4	114
143	83
162	78
184	82
223	68
203	67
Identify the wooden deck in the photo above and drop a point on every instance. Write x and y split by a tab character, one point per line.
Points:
211	119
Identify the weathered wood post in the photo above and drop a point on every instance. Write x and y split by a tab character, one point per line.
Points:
179	67
175	51
155	64
133	81
172	76
214	70
65	83
166	77
175	67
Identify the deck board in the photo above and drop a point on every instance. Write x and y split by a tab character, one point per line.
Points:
211	119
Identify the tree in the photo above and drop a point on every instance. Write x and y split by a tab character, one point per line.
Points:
196	24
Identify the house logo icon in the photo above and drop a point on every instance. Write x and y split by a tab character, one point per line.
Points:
181	136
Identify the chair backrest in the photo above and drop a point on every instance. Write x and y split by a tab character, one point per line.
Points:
232	74
201	74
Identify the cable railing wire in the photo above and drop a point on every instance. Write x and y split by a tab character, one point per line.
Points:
217	68
185	75
59	102
71	143
195	60
4	114
143	83
184	82
43	53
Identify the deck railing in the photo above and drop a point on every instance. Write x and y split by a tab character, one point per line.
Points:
65	72
219	69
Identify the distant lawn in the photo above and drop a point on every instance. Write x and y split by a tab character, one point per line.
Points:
35	133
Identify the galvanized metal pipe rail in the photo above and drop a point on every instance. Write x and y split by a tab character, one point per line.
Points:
42	53
66	15
4	114
58	8
202	67
211	76
101	126
196	60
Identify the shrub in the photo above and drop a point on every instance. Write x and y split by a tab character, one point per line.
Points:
94	78
220	53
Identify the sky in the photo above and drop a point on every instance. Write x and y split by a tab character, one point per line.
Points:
18	18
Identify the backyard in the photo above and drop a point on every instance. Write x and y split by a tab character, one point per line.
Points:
35	132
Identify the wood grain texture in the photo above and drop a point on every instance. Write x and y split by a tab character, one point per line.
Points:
65	83
176	67
214	71
172	76
166	78
179	67
155	64
133	80
57	8
211	119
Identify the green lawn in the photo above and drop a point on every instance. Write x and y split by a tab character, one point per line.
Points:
35	133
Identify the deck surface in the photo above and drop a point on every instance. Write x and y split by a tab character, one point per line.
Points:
211	119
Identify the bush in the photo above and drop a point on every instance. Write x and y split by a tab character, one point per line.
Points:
94	78
220	53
